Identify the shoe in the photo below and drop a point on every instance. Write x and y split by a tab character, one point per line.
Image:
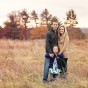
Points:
51	80
45	81
63	75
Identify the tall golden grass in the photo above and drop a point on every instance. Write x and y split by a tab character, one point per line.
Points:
21	65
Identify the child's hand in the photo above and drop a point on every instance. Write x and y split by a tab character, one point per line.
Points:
51	55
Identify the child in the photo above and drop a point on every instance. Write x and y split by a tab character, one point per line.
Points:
55	62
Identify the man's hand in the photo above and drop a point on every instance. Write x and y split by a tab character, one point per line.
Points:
51	55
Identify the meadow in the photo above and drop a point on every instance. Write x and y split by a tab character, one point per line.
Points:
21	64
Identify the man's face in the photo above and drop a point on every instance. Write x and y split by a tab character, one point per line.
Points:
55	25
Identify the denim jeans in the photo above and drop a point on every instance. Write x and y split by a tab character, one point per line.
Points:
46	69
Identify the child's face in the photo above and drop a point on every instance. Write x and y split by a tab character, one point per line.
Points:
55	49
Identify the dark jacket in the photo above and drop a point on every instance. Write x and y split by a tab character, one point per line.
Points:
59	58
51	40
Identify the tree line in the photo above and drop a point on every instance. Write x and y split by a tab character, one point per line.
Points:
16	26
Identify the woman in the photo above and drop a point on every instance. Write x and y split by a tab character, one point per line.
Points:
63	44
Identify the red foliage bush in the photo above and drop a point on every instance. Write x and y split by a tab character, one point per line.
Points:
38	32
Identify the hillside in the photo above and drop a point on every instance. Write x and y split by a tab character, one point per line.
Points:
21	65
85	30
75	33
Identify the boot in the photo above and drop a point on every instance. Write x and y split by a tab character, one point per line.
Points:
63	74
65	68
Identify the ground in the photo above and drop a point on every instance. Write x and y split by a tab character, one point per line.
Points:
21	64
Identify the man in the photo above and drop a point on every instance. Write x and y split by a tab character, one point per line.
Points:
51	40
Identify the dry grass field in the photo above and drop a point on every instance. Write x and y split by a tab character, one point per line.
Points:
21	65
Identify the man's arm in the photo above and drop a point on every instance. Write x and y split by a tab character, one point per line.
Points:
48	43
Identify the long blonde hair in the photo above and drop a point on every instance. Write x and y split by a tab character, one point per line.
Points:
65	31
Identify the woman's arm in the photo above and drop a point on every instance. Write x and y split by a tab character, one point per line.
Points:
60	55
66	42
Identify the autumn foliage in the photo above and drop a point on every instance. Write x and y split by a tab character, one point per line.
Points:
38	32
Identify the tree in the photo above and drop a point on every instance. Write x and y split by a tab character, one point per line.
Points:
34	16
46	16
54	19
11	26
1	32
25	17
71	18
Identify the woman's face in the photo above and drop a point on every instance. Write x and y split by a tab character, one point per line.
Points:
62	30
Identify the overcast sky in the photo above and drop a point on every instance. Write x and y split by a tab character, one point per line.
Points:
56	8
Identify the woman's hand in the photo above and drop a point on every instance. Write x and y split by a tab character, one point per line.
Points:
61	55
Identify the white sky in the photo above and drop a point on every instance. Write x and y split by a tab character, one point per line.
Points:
56	8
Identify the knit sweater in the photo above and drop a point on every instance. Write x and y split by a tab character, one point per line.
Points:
63	43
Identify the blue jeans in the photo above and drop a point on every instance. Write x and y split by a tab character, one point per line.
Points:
46	69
